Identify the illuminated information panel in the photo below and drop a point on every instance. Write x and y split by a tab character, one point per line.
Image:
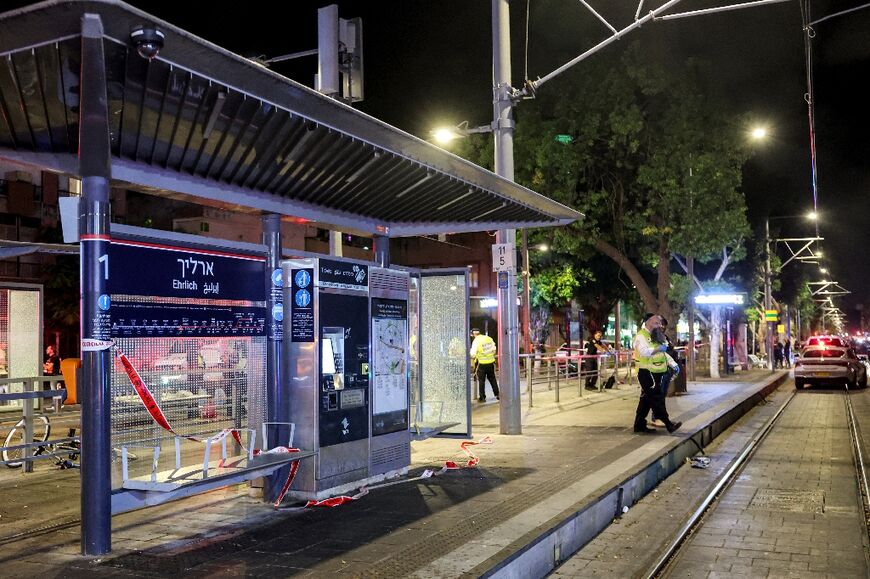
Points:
163	291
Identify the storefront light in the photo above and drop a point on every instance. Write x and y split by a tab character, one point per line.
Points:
720	299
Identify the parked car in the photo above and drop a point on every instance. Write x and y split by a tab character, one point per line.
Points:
824	364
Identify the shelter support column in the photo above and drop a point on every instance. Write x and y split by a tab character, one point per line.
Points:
382	250
94	213
277	396
335	244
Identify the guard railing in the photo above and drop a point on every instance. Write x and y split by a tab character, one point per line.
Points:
568	368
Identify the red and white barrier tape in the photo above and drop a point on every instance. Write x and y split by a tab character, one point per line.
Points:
157	414
449	465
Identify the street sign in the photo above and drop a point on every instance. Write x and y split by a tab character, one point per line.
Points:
771	315
503	257
503	279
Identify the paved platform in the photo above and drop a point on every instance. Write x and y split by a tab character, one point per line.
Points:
532	499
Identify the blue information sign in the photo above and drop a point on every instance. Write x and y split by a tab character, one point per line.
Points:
301	308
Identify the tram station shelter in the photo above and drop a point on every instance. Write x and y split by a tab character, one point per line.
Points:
196	122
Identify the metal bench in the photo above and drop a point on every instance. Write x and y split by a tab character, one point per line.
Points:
161	486
757	362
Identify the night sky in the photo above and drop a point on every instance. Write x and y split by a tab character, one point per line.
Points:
428	63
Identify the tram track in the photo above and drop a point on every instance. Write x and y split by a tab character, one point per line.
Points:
663	565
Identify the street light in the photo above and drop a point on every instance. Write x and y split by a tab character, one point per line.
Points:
758	133
444	135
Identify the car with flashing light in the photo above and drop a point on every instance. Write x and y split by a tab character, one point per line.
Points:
837	341
829	364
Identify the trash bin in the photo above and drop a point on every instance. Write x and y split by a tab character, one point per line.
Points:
678	382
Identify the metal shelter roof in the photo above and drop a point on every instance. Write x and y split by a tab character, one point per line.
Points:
201	122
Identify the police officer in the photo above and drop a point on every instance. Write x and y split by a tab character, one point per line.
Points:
652	363
483	351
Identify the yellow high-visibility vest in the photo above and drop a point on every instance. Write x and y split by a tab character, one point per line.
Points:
483	349
657	363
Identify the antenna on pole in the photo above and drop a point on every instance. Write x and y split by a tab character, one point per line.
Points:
339	55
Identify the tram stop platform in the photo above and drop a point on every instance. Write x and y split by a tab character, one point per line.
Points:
533	499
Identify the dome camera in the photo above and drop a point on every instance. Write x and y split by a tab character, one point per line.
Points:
148	41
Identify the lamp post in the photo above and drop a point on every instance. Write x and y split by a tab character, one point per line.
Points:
767	297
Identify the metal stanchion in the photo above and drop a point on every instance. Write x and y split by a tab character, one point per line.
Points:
598	381
557	380
27	407
549	374
530	368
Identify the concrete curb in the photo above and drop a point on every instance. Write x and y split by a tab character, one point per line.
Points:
541	550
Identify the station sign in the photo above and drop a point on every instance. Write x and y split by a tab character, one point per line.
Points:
158	290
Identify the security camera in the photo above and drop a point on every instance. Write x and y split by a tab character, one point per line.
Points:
148	41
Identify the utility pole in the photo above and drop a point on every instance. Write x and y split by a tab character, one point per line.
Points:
510	414
768	300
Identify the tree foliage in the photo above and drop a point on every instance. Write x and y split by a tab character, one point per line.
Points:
653	163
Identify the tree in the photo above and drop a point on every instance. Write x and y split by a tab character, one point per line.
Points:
647	156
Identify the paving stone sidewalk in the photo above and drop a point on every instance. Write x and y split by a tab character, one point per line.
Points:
443	526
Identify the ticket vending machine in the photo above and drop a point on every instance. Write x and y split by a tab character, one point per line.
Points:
328	361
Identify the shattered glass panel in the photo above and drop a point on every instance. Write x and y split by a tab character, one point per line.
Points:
444	350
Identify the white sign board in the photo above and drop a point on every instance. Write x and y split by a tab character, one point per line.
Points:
503	257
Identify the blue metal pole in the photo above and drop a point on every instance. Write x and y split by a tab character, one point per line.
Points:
94	211
277	399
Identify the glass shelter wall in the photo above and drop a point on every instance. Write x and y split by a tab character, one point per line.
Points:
444	344
20	337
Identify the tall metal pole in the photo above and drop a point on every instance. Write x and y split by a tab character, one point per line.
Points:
277	395
768	300
527	292
510	412
95	170
798	339
690	343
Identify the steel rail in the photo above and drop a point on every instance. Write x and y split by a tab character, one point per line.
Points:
721	484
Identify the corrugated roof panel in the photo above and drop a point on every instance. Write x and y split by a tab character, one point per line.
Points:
219	127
